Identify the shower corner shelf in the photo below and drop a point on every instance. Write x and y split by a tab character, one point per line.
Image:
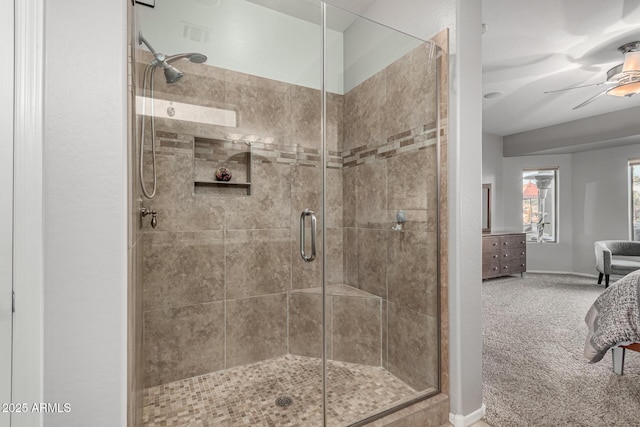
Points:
213	187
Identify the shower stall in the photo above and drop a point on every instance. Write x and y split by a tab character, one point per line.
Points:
292	273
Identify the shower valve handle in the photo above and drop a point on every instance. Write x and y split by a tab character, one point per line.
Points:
154	220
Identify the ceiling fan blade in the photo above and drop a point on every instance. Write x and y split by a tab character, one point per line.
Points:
578	87
590	100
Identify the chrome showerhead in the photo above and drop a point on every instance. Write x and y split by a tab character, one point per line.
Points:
172	74
196	58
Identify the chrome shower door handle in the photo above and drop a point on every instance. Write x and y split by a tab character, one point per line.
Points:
303	228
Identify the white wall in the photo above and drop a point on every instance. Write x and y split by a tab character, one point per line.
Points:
85	224
248	38
492	174
600	200
593	205
465	248
253	39
369	48
419	18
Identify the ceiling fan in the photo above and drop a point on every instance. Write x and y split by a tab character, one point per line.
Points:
625	76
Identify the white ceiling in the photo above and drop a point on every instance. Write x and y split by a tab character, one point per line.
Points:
533	46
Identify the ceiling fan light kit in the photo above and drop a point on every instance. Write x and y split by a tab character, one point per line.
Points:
625	76
628	89
631	52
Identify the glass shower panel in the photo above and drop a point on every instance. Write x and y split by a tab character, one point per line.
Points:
381	209
250	174
232	313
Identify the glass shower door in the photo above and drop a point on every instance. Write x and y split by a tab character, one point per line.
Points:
232	311
381	204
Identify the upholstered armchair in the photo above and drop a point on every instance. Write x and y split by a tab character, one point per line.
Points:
606	264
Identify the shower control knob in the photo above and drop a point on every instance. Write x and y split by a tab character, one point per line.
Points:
154	220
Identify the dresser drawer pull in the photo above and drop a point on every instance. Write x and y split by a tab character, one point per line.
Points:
506	267
522	242
505	243
505	255
495	256
521	265
523	253
495	243
495	268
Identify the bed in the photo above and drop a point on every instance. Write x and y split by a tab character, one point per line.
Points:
614	322
618	356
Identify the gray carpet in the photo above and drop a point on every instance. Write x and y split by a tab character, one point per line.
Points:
534	370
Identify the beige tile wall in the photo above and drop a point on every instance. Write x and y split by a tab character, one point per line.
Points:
391	165
219	270
219	267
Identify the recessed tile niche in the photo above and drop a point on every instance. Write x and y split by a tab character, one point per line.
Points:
211	154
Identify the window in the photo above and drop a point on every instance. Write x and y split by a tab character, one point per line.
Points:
634	185
539	204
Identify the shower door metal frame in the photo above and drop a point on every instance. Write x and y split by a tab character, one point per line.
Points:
323	164
27	63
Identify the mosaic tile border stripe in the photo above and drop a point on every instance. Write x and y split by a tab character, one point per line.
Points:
408	141
211	149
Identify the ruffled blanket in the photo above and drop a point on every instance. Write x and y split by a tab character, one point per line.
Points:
614	319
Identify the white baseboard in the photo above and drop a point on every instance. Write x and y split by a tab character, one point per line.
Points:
595	276
466	420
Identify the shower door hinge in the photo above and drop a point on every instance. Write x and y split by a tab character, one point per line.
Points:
13	302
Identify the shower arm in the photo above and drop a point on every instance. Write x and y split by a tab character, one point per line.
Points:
142	40
160	58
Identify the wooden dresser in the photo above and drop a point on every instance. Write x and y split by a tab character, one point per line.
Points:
503	254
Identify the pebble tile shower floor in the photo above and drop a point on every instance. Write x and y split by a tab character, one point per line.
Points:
246	395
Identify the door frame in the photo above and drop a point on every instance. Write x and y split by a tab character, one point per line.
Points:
6	203
28	214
